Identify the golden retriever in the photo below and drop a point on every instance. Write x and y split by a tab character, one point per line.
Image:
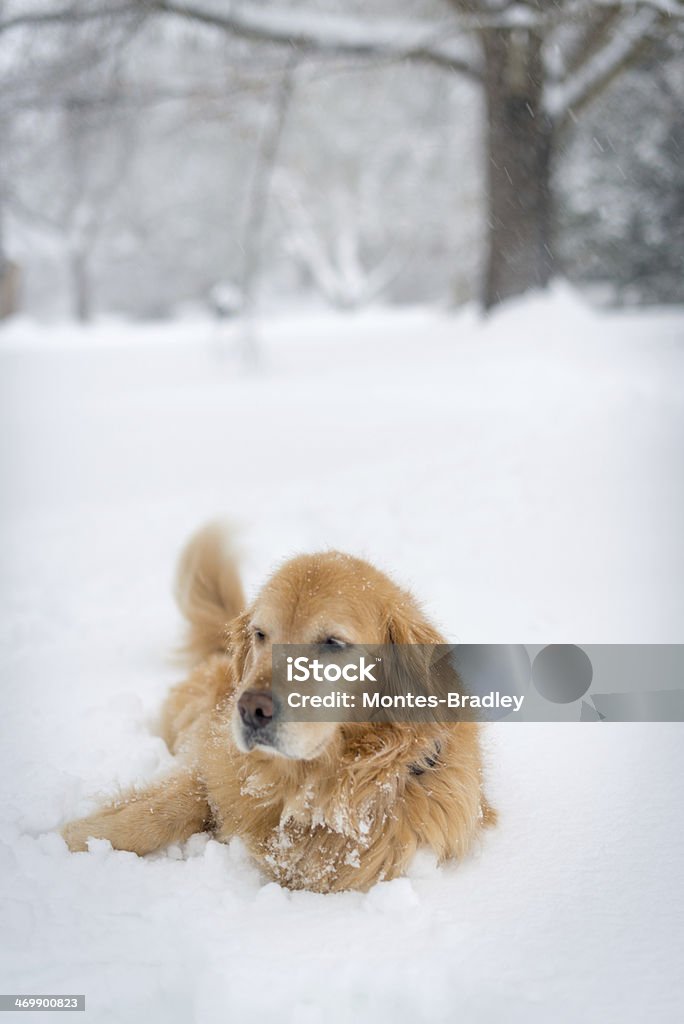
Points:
321	805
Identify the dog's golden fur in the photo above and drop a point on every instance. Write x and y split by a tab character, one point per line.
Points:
332	807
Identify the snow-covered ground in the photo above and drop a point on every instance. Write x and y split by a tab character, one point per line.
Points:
523	475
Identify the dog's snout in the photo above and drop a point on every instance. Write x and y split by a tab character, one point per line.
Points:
256	708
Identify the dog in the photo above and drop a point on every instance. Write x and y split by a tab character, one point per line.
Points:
322	806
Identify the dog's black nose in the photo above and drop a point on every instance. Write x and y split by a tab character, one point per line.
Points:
256	708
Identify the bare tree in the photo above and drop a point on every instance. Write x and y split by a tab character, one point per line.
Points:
86	210
76	212
9	275
257	203
72	80
7	303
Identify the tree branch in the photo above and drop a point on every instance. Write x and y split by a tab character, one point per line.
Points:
326	34
672	8
594	30
429	42
70	15
635	31
432	42
334	34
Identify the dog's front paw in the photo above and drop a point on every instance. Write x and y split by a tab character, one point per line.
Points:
76	835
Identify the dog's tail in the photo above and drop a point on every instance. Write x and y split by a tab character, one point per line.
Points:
208	590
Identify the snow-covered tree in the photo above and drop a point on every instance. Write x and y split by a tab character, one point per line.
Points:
539	63
537	66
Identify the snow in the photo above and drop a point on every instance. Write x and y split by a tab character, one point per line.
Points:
523	474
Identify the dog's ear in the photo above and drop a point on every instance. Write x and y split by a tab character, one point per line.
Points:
408	665
239	639
406	624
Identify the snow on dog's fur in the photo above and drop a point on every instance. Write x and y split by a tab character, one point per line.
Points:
321	805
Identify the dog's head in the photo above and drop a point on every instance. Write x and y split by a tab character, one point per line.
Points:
330	599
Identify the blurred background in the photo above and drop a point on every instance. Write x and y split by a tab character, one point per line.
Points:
160	158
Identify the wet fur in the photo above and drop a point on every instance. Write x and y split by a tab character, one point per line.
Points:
345	819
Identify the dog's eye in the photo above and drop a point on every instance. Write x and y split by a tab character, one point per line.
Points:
332	641
259	635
